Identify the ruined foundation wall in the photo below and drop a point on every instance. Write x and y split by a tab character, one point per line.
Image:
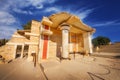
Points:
8	51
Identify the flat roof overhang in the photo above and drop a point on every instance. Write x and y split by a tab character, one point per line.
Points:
76	24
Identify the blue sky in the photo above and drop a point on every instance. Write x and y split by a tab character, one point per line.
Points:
103	15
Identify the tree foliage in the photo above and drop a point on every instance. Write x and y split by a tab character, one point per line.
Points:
3	41
100	40
27	26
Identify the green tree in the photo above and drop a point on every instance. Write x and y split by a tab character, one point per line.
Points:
3	41
100	40
27	26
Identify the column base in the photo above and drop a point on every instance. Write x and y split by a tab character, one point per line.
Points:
62	58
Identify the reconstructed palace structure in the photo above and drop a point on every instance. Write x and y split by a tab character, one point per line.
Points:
55	36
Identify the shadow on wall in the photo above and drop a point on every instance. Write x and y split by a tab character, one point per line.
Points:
58	50
117	57
56	42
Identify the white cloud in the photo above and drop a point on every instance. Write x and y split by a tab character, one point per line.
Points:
19	5
30	12
85	13
39	6
37	3
52	9
7	24
81	13
6	31
40	3
6	18
20	11
106	23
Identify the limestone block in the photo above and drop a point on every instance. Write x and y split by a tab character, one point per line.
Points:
35	27
34	39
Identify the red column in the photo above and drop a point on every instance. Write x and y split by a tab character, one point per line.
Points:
45	45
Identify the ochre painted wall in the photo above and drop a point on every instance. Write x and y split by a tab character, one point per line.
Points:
75	42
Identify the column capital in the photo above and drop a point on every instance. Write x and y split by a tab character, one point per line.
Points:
46	21
64	26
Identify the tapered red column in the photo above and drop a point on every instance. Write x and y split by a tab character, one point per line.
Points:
65	38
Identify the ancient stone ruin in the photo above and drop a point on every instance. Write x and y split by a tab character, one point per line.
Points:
55	36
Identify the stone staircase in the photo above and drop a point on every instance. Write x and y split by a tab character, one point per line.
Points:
113	48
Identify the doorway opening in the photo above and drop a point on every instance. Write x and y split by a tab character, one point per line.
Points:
18	51
25	53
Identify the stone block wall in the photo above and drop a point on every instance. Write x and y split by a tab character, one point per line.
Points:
7	52
34	40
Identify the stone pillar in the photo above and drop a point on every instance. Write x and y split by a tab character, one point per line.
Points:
22	52
87	42
65	38
30	58
14	51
